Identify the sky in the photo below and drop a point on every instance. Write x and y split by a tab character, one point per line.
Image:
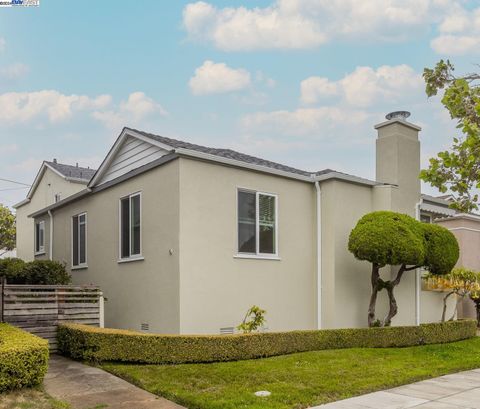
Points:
300	82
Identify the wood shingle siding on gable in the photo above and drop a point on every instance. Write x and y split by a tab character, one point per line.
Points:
133	154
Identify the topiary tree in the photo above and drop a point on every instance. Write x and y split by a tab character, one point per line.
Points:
388	238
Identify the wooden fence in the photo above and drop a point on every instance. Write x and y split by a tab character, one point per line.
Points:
39	309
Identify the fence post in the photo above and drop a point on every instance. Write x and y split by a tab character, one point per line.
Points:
101	310
2	297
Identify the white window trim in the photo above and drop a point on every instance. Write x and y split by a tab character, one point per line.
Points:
41	249
80	265
134	257
257	254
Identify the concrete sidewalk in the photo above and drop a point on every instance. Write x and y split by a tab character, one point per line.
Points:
85	387
456	391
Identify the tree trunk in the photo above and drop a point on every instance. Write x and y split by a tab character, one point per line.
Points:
391	296
373	299
457	302
444	312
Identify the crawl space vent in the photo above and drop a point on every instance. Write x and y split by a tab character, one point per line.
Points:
227	330
145	326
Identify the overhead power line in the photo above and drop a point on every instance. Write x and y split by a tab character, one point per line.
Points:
14	181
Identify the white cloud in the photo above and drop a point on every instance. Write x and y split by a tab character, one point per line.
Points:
25	106
300	24
216	78
366	86
303	121
137	107
14	71
314	88
459	33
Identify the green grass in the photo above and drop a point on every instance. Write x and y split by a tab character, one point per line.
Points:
299	380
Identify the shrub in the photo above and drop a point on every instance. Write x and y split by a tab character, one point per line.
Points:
23	358
47	272
442	249
96	344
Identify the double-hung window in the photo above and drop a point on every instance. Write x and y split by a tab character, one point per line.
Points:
257	223
130	226
40	237
79	240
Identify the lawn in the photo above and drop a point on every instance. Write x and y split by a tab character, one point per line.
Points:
30	398
299	380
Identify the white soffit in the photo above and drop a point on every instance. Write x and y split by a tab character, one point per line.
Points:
132	154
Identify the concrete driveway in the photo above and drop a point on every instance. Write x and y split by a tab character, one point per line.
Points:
456	391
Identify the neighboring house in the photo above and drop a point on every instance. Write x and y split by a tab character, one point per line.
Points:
54	182
184	239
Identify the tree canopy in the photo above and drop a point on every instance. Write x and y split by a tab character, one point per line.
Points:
7	229
457	170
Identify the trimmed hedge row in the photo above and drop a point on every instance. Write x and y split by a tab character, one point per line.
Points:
96	344
48	272
23	358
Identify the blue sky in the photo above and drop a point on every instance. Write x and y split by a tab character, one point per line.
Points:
301	82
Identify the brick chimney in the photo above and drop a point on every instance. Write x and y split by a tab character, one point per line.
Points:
398	160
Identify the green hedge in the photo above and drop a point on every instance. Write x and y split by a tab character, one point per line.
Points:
91	343
48	272
23	358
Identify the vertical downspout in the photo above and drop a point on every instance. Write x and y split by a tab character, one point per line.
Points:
418	278
50	247
319	253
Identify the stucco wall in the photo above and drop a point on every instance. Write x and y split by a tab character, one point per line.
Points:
44	195
216	289
140	291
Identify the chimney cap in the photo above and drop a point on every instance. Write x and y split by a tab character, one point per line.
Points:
398	115
54	160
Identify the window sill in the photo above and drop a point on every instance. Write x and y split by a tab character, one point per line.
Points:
130	259
82	267
257	257
40	253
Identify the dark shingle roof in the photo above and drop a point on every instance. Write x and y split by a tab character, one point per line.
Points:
224	153
74	172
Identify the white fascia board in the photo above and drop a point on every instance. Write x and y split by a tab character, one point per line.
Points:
20	204
237	163
40	173
346	178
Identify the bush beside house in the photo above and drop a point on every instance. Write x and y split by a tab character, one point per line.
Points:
36	272
98	344
23	358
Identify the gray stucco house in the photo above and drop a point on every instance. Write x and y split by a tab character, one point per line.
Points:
184	238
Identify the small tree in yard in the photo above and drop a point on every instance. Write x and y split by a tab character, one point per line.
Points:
254	319
7	230
461	282
388	238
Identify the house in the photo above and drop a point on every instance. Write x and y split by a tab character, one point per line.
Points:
184	238
54	181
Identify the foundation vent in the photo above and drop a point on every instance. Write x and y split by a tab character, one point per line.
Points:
145	326
227	331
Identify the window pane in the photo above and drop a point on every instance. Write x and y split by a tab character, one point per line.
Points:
125	228
135	224
75	241
37	237
82	256
246	222
266	222
41	236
